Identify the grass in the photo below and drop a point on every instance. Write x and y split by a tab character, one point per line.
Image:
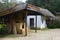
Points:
44	29
11	35
3	35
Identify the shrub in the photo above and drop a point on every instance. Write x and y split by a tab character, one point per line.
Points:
53	25
2	29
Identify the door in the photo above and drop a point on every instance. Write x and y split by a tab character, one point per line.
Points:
32	23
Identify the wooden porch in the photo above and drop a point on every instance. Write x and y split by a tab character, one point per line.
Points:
16	22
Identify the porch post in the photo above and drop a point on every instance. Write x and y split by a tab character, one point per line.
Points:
26	24
36	24
26	19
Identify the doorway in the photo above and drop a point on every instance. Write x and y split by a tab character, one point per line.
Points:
31	23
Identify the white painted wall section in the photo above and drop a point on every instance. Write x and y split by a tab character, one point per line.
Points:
28	20
40	24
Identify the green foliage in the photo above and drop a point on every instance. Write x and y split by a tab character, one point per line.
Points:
3	6
53	25
6	5
2	29
52	5
6	1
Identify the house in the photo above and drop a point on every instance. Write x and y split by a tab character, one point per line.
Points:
23	16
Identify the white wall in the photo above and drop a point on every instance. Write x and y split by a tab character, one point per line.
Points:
39	21
28	20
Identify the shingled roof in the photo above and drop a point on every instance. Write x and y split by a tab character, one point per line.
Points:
22	6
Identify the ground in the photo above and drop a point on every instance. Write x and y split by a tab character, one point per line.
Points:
50	34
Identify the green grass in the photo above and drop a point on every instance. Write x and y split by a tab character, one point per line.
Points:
44	29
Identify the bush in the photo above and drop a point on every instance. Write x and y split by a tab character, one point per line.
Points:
53	25
2	29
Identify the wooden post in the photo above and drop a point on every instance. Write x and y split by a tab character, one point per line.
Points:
26	24
26	20
36	24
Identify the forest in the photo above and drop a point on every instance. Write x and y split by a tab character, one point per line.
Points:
52	5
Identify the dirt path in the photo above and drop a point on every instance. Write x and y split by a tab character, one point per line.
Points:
51	34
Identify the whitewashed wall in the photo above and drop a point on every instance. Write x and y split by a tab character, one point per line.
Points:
40	24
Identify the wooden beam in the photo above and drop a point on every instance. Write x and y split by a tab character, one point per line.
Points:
36	24
26	23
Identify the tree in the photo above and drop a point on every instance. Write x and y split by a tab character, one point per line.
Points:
6	4
52	5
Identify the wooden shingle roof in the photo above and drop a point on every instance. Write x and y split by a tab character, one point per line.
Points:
22	6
